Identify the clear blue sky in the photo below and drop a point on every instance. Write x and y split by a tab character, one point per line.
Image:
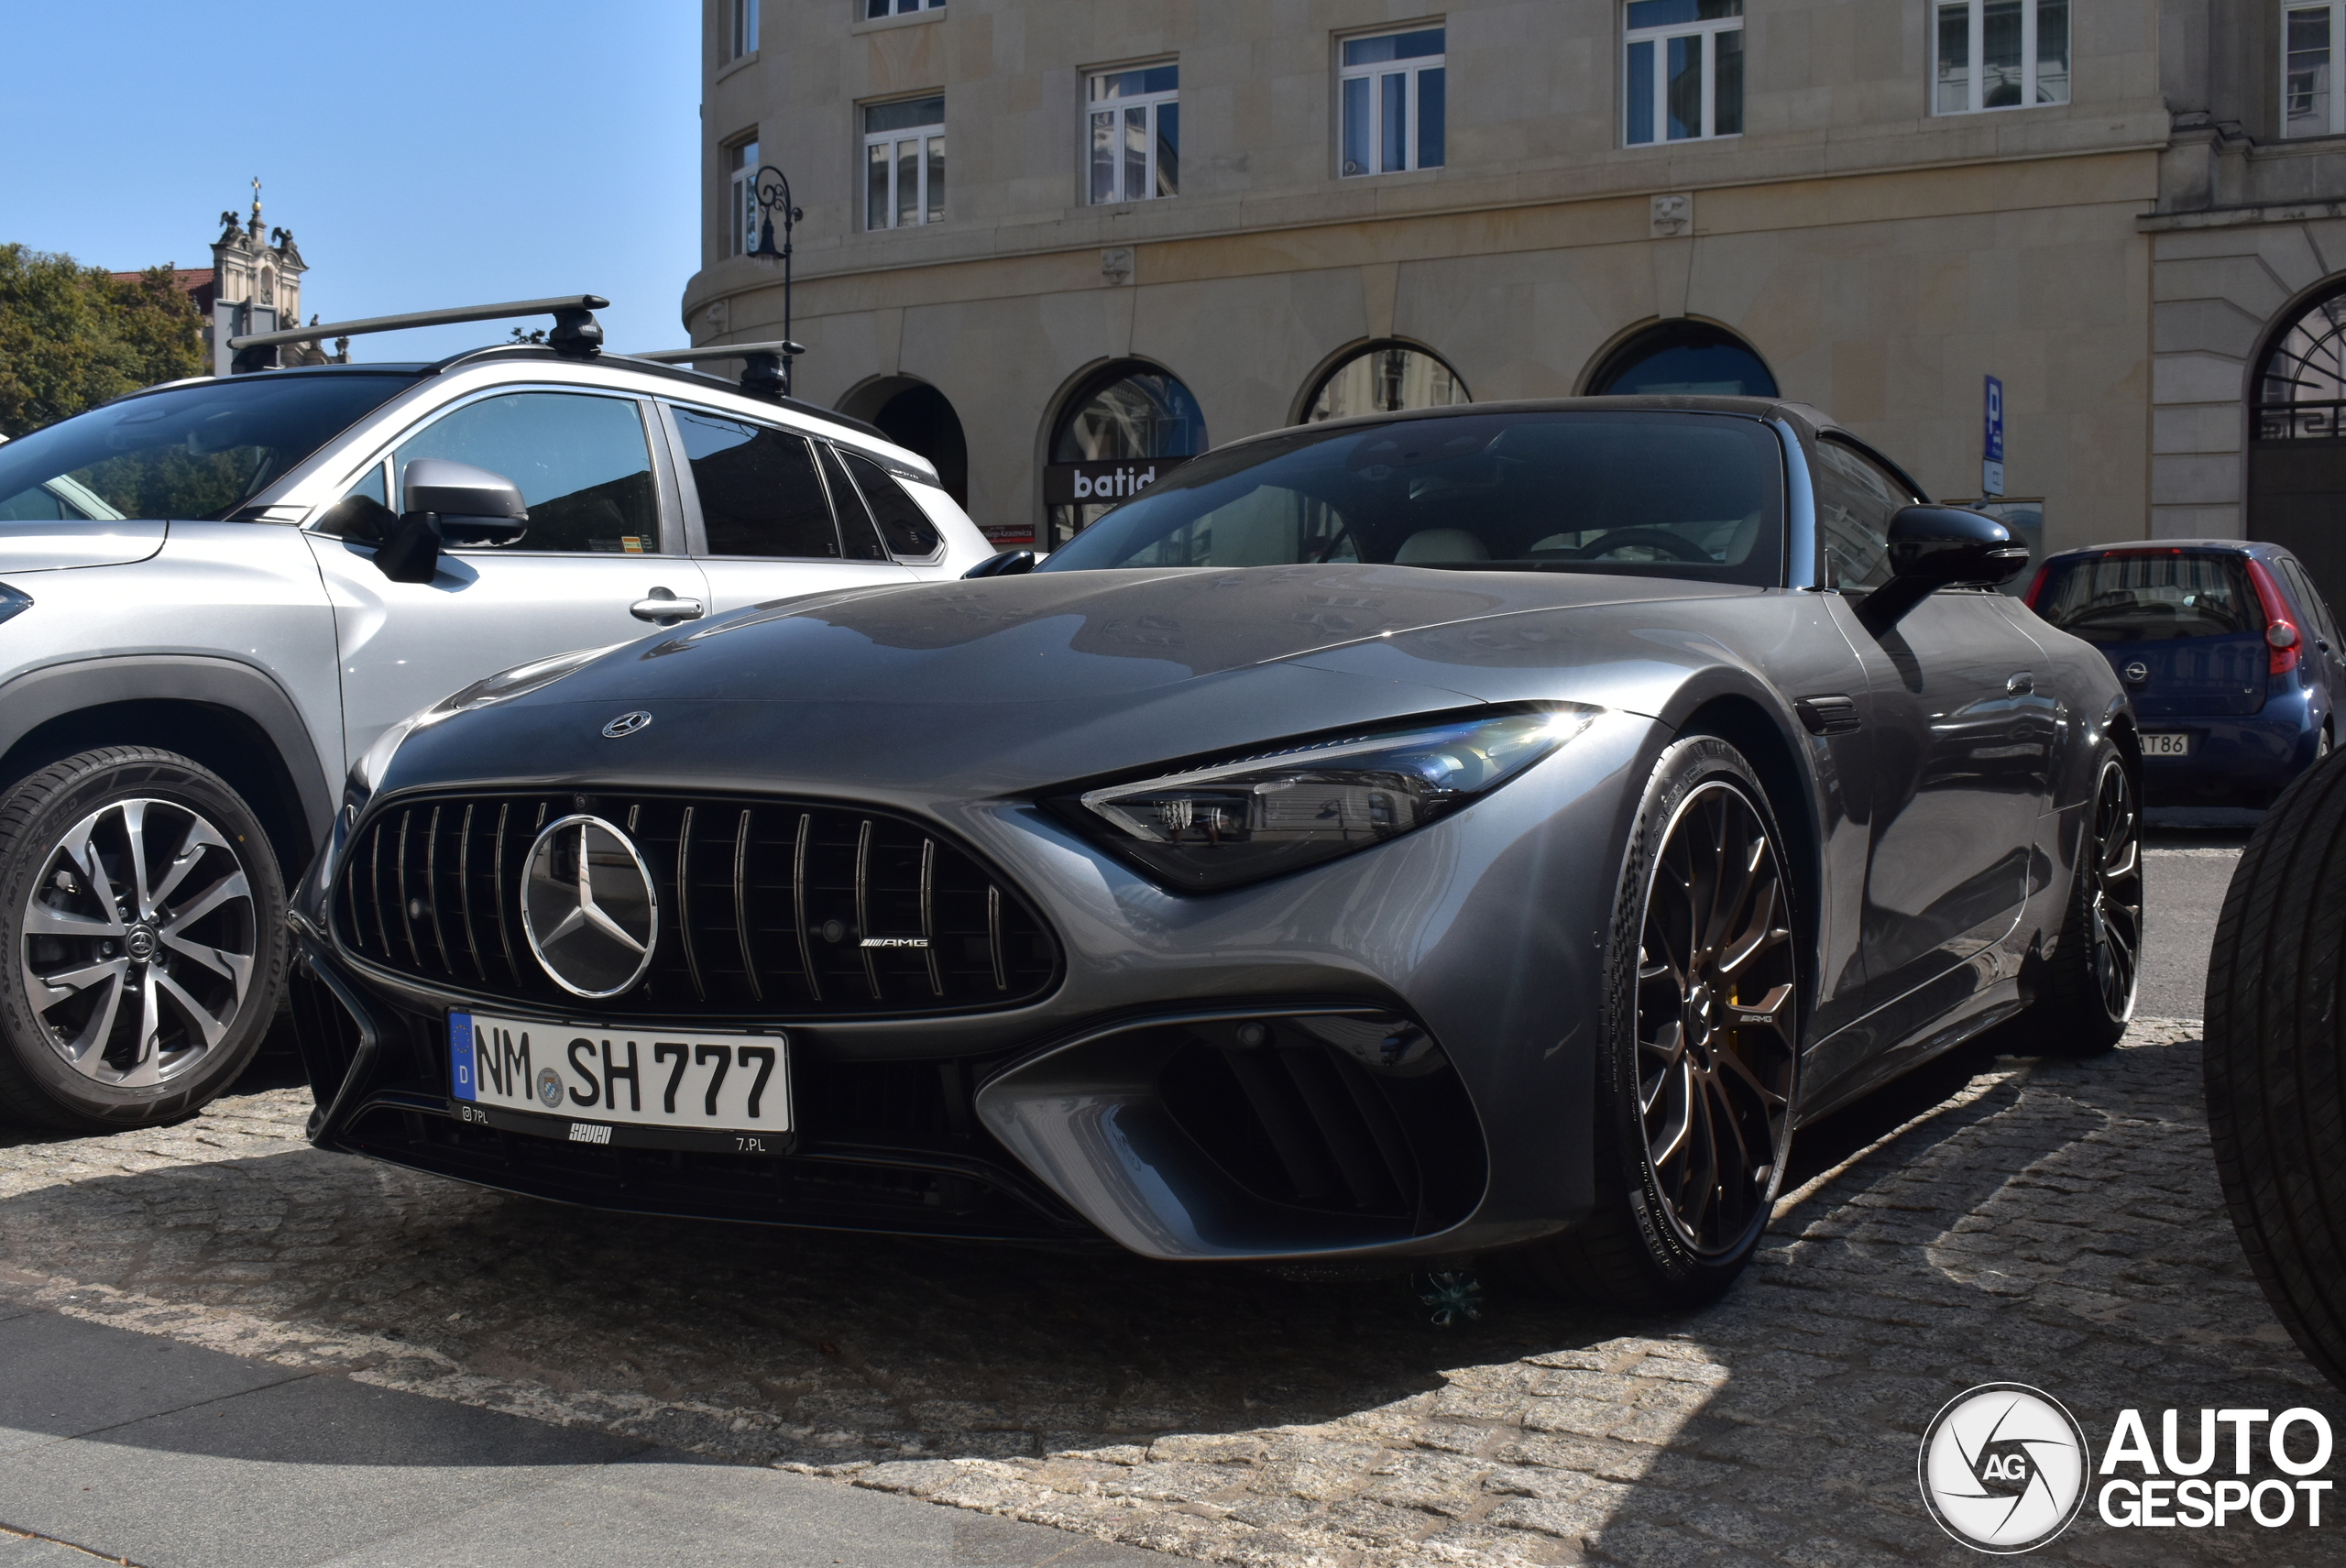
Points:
431	152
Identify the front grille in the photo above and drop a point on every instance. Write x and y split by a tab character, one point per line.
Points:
764	906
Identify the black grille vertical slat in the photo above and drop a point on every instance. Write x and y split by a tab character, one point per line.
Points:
928	914
863	904
504	923
798	905
1294	1132
1385	1131
407	909
994	935
465	890
684	902
432	890
742	904
1319	1083
834	875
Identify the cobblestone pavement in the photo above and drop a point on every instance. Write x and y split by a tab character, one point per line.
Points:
2044	1222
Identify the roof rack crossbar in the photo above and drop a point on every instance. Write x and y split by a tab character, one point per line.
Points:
576	333
762	364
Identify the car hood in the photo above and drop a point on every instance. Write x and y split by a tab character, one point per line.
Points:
47	546
1002	683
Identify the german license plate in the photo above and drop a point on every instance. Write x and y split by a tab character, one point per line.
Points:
596	1084
2169	743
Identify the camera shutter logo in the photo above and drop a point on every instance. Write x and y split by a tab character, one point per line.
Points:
588	908
2003	1468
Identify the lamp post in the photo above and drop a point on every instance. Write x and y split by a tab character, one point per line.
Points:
773	191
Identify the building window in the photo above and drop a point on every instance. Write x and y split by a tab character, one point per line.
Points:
740	198
1393	87
741	40
1133	144
2310	108
1683	76
1683	356
903	163
1999	54
875	9
1385	379
1127	426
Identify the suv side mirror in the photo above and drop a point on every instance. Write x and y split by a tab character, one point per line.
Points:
1009	563
1940	547
450	503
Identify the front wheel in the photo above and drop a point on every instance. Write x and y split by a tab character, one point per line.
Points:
1699	1053
2086	996
143	921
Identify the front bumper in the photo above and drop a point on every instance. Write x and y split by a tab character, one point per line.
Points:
1125	1105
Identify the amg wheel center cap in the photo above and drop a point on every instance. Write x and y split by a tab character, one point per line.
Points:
588	907
1698	1013
141	943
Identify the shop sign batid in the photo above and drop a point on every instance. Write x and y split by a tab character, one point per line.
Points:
1103	483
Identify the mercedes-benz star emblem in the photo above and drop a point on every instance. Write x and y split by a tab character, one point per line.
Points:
625	724
588	908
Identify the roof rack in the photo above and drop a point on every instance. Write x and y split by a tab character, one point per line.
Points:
575	335
764	370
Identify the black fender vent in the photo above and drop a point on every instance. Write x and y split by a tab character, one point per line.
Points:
325	1034
765	907
1336	1125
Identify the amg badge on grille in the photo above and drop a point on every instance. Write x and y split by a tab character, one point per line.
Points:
588	907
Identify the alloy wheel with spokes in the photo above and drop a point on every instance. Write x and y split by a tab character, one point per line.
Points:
139	942
2112	873
1715	1021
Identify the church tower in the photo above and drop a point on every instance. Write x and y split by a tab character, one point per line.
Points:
256	288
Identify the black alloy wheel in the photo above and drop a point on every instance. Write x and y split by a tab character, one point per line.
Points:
1715	1006
1696	1075
2085	995
141	907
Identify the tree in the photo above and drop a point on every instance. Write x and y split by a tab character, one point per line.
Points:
73	336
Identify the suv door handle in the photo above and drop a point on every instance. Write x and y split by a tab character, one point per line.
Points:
662	607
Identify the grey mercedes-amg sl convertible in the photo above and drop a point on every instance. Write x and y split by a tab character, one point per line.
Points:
1394	838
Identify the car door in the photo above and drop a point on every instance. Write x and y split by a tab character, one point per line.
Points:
587	572
769	512
1962	745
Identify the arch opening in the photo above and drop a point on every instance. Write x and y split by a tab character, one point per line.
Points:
912	414
1127	423
1384	378
1687	358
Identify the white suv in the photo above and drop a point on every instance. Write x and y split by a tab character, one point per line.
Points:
214	595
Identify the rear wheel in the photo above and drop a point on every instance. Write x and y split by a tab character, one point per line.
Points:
1697	1063
143	923
2275	1060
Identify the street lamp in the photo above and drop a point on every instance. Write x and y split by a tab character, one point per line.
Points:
773	191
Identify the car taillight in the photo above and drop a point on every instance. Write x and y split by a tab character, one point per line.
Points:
2035	586
2281	633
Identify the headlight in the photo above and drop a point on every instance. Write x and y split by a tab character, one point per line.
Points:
1205	828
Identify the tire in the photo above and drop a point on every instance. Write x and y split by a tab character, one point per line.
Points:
2084	993
2275	1060
149	882
1698	1054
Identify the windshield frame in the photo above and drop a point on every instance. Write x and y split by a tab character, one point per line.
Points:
31	454
1766	561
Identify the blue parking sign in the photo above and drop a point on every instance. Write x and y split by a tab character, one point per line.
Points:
1992	441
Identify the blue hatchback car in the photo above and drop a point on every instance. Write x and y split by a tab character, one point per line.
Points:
2229	653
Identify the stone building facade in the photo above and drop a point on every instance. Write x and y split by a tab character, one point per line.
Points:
1067	235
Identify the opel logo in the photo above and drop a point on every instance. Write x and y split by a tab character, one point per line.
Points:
588	908
625	724
2136	673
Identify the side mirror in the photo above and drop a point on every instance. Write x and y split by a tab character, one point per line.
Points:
1940	547
1009	563
475	506
411	553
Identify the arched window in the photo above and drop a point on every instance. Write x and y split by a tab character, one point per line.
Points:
2297	450
1127	424
1684	357
915	415
1384	378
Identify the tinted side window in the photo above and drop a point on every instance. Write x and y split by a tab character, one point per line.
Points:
2310	597
856	531
1856	498
905	527
581	461
759	492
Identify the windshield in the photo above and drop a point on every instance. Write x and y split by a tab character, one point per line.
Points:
1674	495
2146	596
194	451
